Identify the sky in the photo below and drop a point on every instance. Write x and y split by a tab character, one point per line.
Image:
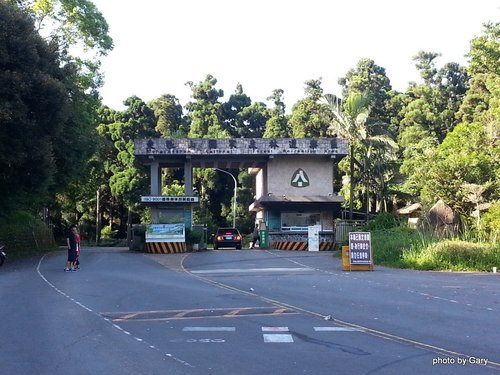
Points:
159	45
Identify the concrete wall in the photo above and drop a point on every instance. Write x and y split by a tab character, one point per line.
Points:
281	169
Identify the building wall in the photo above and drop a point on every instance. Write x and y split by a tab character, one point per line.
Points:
281	169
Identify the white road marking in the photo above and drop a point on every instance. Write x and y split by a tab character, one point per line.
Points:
274	329
278	338
243	270
209	329
335	329
168	355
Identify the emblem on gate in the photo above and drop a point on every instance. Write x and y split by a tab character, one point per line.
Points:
300	178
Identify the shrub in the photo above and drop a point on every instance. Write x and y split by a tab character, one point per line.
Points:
382	221
193	236
490	223
108	234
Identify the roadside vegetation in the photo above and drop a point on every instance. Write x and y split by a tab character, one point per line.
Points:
24	235
399	246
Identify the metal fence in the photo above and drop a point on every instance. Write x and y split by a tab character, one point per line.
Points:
342	229
26	239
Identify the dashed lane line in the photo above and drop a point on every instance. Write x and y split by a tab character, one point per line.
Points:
138	339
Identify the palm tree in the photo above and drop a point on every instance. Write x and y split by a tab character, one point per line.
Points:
370	141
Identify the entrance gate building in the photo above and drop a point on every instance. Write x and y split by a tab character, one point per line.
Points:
294	183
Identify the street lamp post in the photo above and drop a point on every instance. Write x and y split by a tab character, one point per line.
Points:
234	200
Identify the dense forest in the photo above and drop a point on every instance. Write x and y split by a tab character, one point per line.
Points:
66	158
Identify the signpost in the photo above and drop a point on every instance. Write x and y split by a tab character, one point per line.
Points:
360	251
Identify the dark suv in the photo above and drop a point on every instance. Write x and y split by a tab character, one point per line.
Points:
227	237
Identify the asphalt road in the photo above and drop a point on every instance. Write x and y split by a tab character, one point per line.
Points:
242	312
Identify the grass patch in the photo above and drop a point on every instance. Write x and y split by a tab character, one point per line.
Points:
453	255
406	248
389	245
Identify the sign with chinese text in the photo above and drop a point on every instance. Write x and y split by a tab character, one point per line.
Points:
241	146
360	248
167	199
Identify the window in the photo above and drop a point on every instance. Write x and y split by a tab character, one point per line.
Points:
299	220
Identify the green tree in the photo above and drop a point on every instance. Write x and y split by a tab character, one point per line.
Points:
205	111
484	51
434	104
368	141
277	124
39	124
310	117
418	146
232	108
428	113
99	170
169	117
72	25
371	80
483	67
477	98
205	114
77	26
70	22
254	119
380	168
244	220
241	118
128	178
137	121
464	170
468	155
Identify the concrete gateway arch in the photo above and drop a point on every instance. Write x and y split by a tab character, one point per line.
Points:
293	183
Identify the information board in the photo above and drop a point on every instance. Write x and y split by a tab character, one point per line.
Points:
165	233
360	248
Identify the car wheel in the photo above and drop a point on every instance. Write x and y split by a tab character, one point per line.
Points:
238	247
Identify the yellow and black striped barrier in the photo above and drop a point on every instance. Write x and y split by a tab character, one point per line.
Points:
301	246
290	245
165	247
326	246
